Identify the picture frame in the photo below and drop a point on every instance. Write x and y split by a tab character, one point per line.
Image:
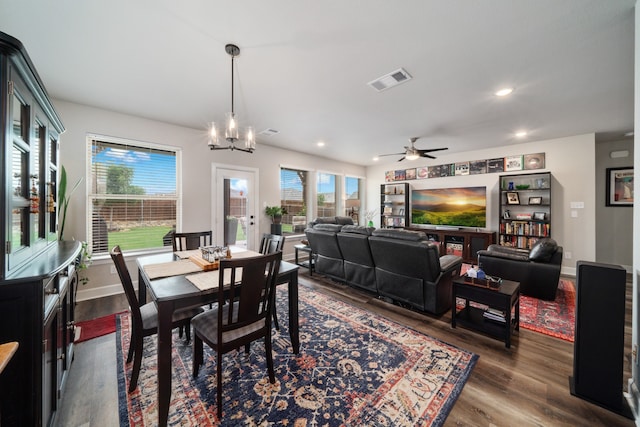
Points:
536	200
513	198
620	186
513	163
539	216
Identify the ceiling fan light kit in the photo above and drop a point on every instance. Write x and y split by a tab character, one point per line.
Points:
231	131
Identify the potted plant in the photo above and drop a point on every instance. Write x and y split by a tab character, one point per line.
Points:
275	212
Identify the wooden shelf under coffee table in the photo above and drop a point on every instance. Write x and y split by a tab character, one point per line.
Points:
505	298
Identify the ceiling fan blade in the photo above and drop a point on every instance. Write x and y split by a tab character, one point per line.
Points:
431	150
403	157
392	154
427	155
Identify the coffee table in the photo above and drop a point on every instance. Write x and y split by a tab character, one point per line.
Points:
504	299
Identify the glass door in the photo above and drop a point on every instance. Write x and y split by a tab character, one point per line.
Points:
234	209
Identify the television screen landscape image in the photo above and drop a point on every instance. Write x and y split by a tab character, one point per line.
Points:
460	207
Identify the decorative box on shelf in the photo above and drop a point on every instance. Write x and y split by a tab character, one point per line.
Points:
489	282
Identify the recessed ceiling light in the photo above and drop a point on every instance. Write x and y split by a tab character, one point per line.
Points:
375	159
320	144
504	92
521	134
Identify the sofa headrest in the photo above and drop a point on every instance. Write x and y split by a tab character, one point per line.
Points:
391	233
344	220
332	228
325	220
543	250
357	229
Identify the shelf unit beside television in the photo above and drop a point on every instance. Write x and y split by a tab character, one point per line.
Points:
525	209
394	205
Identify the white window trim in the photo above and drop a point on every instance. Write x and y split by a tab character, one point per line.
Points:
90	138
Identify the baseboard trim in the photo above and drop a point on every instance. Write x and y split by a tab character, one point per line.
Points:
101	292
568	271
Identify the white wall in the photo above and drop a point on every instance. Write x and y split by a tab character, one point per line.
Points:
614	224
81	120
571	162
634	392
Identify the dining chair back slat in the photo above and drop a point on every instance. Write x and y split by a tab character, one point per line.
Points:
271	243
194	240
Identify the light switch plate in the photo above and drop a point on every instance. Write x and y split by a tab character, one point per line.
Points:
577	205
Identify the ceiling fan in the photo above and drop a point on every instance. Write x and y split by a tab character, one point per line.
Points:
413	153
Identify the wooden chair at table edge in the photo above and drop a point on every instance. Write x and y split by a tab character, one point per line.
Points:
242	322
192	240
145	317
269	244
189	241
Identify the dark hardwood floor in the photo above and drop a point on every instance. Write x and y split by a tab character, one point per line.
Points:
526	385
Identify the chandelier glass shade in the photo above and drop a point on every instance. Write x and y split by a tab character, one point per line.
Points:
231	131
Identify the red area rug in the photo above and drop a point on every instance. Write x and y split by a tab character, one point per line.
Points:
555	318
95	328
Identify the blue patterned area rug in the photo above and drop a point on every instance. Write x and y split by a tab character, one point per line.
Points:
354	368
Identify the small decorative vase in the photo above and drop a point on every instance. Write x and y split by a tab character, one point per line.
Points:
511	187
370	224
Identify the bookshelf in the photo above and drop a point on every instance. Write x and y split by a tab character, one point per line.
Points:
394	205
525	209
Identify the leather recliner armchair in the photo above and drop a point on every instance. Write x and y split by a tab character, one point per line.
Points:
409	269
359	269
538	270
324	244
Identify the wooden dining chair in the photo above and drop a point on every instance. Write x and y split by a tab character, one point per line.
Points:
248	284
189	241
145	317
269	244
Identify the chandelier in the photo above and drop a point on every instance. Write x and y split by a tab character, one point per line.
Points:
231	134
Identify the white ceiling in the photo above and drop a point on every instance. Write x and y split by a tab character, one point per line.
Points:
304	67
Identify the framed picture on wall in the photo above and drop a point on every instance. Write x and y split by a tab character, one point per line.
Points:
620	186
513	163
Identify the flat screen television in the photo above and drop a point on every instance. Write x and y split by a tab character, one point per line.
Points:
455	207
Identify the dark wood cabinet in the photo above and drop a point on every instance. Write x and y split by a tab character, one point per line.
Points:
460	242
37	272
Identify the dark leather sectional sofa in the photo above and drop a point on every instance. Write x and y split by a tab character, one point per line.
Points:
397	264
538	270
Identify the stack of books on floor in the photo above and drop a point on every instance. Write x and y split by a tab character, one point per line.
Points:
495	315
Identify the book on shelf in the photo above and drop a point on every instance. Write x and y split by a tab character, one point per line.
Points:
493	314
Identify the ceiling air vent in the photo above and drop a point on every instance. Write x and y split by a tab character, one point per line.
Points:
268	132
389	80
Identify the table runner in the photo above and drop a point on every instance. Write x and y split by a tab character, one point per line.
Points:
209	279
187	254
172	268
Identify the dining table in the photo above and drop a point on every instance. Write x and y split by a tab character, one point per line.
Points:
176	280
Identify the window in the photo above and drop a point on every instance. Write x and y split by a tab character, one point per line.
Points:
326	194
293	199
133	195
352	197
